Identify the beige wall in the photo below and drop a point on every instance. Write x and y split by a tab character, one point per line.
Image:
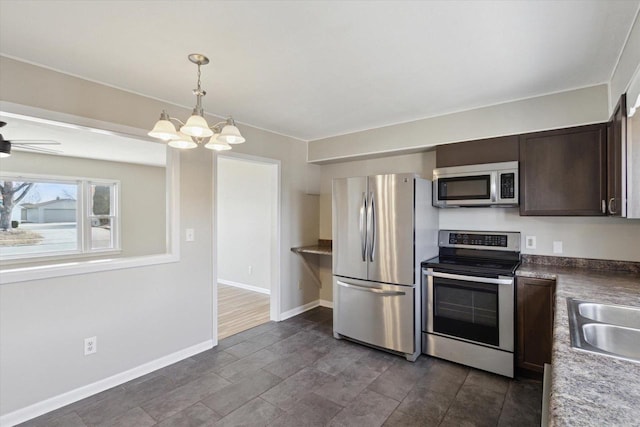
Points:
138	314
570	108
142	194
246	221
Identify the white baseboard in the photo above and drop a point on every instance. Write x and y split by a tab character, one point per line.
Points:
245	286
298	310
325	303
64	399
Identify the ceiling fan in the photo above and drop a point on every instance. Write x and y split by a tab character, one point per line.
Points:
25	144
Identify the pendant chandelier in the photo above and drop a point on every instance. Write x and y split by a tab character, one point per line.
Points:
196	131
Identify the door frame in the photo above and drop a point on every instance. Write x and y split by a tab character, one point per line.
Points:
276	256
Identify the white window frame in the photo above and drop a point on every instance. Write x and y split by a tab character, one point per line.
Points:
83	218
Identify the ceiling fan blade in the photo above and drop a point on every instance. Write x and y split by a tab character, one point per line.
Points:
33	142
20	147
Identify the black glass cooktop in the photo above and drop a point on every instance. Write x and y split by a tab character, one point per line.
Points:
472	266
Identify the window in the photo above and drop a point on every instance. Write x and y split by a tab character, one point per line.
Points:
42	216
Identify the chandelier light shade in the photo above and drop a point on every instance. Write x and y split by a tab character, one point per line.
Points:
217	144
196	130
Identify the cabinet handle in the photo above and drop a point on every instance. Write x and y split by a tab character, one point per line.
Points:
604	206
611	202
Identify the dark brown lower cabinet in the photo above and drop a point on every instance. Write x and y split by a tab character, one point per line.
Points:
534	311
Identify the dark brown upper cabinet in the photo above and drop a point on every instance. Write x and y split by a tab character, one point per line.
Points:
564	172
616	143
490	150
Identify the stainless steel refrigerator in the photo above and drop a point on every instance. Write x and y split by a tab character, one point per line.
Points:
383	227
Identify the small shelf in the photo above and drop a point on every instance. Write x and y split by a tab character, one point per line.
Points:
323	248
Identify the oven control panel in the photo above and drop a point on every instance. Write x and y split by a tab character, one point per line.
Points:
492	240
478	239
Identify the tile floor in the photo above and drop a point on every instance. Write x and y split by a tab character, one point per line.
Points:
294	373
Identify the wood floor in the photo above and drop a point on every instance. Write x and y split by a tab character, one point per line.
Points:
239	310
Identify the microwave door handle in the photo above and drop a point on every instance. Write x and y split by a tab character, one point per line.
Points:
494	186
363	227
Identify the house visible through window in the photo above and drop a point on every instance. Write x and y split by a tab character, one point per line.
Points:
54	216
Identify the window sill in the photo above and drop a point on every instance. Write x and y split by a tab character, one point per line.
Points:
71	268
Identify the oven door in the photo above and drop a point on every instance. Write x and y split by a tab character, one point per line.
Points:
470	308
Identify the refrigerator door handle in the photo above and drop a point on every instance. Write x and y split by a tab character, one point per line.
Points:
363	230
370	289
371	226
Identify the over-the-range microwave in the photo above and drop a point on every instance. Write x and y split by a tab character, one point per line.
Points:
490	184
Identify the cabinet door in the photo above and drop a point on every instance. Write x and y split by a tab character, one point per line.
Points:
616	143
563	172
535	322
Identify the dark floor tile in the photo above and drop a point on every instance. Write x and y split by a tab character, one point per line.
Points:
247	366
300	341
133	417
245	348
292	363
184	396
311	410
522	405
318	314
197	415
443	377
142	392
401	377
487	380
255	331
370	409
294	388
426	406
324	328
298	322
112	406
266	338
340	357
233	396
231	341
400	419
215	360
346	386
257	412
475	404
53	419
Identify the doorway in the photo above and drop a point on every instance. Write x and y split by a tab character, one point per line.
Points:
246	242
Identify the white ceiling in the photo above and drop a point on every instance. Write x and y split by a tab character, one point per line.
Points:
313	69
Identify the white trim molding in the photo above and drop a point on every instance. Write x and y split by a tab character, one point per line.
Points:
245	286
48	405
325	303
299	310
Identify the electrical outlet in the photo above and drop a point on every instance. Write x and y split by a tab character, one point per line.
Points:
530	242
90	345
250	270
557	247
189	235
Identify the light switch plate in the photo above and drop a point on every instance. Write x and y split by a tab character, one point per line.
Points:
530	242
189	235
557	247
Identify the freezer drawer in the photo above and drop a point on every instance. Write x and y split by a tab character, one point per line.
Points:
375	313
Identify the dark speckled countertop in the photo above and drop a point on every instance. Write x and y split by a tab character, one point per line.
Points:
590	389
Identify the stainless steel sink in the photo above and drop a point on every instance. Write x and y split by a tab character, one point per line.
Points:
611	330
611	314
617	340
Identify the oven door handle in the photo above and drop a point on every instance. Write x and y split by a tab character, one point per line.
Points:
506	281
369	289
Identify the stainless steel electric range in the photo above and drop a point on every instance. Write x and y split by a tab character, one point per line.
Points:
468	299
